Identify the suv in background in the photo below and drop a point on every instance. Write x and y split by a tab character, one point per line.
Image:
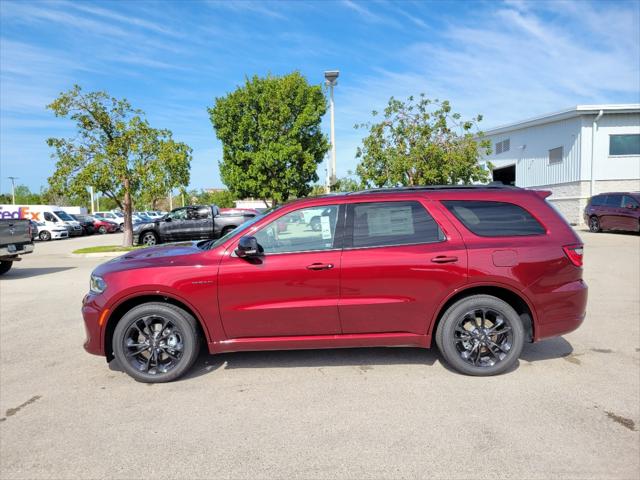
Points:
478	271
613	211
111	217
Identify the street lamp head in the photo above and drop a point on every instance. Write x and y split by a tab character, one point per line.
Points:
331	77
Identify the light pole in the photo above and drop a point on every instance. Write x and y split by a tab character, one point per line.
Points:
331	80
13	188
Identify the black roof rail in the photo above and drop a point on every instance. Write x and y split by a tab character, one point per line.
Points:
426	188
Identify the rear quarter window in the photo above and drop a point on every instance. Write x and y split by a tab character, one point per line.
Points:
494	219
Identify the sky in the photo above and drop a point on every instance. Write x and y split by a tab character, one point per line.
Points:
505	60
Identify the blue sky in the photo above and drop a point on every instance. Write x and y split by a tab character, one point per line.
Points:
506	60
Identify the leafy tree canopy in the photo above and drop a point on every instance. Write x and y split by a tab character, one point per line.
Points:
421	142
115	150
271	137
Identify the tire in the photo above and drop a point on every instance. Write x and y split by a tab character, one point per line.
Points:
5	266
134	327
148	239
121	228
594	224
102	230
45	236
460	321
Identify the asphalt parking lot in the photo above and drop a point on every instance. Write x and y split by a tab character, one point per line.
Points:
569	410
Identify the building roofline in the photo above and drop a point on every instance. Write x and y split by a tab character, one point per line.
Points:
572	112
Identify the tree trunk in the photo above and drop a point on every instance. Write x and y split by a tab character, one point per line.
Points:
127	240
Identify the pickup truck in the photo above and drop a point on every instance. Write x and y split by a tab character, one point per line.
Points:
15	240
195	222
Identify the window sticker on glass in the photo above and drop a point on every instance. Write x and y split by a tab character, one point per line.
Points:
325	224
390	221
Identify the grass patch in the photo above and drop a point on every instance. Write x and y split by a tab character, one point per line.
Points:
106	248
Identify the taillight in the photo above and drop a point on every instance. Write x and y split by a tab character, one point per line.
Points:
574	253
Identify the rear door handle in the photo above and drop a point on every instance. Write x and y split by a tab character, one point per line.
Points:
320	266
444	259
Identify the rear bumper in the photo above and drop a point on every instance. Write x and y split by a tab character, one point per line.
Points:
20	249
561	310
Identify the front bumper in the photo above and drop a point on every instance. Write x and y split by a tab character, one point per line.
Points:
59	234
91	312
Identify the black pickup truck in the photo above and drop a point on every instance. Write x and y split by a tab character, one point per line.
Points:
15	240
196	222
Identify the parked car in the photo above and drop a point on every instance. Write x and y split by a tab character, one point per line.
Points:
105	226
613	211
111	217
196	222
53	221
86	222
477	270
15	240
140	217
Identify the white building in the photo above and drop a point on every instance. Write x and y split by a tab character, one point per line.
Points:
574	153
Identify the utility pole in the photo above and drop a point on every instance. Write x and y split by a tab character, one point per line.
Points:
92	201
331	80
13	188
170	200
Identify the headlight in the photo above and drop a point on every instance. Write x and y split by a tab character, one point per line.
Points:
97	284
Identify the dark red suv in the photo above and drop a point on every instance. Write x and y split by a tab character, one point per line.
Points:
613	211
480	270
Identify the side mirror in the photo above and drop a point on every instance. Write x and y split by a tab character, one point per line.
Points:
248	247
167	219
632	207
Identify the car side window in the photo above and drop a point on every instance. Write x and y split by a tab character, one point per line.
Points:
379	224
629	202
597	201
494	219
202	213
179	214
306	229
49	218
614	201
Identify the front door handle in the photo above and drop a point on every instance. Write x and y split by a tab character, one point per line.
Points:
320	266
444	259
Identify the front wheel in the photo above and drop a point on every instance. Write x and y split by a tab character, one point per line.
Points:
156	342
102	230
121	227
480	335
149	239
44	236
594	224
5	266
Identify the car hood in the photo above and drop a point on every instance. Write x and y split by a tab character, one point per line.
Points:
159	256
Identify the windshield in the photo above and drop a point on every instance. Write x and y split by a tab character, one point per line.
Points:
209	244
63	216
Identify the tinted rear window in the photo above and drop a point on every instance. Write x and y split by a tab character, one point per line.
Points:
494	219
598	201
614	200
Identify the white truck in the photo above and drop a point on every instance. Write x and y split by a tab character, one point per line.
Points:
53	222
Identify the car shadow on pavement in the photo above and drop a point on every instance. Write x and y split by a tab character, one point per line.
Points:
364	358
549	349
26	272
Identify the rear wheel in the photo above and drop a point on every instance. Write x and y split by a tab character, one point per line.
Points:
156	342
121	227
102	230
5	266
44	236
480	335
594	224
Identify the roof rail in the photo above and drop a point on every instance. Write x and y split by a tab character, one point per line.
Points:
492	185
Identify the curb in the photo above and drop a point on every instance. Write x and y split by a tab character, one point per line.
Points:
97	254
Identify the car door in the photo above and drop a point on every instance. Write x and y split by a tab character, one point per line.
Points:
629	213
398	265
611	219
171	226
293	288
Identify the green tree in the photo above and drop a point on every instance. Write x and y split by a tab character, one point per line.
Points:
271	137
115	150
221	198
346	184
421	143
26	197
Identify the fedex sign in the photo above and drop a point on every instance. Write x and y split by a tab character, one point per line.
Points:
16	212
